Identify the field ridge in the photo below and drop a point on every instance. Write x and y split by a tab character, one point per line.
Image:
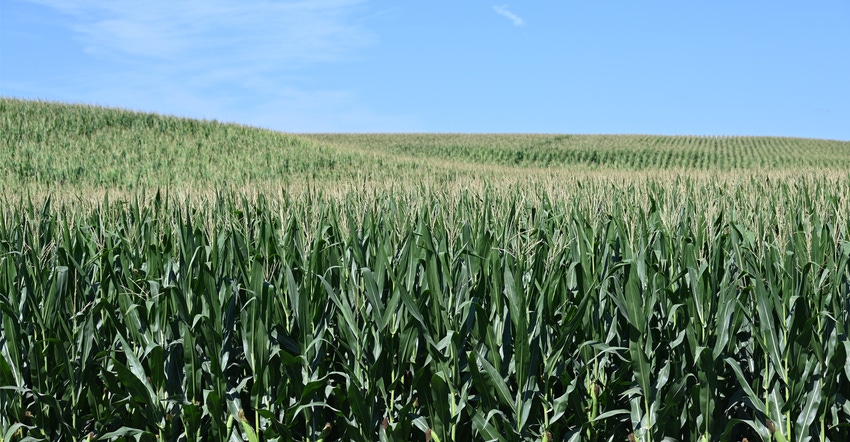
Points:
47	143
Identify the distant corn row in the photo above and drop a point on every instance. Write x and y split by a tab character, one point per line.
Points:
72	146
694	311
623	152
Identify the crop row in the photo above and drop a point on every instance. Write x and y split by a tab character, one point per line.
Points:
624	152
73	147
479	316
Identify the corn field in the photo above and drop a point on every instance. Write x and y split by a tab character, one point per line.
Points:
594	152
640	310
69	149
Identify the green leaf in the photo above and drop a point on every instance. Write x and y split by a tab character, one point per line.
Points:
374	298
809	412
742	382
495	382
482	424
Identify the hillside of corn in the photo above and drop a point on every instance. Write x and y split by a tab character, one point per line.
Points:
612	152
51	144
173	279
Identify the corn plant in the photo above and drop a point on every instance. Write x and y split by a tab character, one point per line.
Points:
509	313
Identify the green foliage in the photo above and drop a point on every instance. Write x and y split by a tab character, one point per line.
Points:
416	287
64	145
594	152
72	146
466	316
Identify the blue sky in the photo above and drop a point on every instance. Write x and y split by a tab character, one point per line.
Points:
658	67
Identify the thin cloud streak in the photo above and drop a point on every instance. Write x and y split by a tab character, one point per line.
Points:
231	60
218	31
504	12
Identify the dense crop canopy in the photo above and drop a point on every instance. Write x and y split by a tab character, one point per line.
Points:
417	287
463	316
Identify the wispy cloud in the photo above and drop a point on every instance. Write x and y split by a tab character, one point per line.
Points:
245	61
218	31
505	12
